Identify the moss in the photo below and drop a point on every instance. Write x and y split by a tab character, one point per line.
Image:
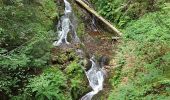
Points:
77	79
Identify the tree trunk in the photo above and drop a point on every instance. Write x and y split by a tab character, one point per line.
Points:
99	17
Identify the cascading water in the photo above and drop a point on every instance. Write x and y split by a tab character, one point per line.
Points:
65	26
93	21
95	74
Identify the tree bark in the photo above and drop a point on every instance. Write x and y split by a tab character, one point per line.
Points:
99	17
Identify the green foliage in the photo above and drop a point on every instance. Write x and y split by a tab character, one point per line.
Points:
144	74
117	77
75	73
152	27
25	41
51	85
81	30
21	22
55	84
76	77
120	12
108	8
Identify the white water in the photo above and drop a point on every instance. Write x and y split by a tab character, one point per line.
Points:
65	26
95	77
93	21
95	74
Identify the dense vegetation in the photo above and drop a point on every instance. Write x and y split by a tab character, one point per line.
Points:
31	69
142	71
25	31
26	36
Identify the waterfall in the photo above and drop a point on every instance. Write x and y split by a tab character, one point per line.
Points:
95	74
66	25
95	77
93	21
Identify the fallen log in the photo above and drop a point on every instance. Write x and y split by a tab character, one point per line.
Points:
98	16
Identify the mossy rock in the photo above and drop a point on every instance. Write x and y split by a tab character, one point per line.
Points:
62	56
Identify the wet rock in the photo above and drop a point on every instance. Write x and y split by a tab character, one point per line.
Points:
80	53
87	64
104	60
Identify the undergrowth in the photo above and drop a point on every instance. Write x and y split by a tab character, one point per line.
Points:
25	42
145	53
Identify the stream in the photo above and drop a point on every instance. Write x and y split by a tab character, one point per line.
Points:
66	26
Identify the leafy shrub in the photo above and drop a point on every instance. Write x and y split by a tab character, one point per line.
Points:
152	27
76	77
75	73
51	85
120	12
144	74
25	41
